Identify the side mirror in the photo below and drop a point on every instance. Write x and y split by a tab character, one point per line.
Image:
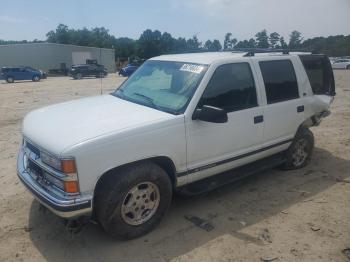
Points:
210	114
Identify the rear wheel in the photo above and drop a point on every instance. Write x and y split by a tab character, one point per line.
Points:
10	79
348	67
300	151
132	203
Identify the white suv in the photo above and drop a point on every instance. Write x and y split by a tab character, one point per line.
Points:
179	123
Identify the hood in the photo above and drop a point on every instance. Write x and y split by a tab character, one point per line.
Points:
57	127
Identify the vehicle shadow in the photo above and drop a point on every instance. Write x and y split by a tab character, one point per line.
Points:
22	82
250	200
87	77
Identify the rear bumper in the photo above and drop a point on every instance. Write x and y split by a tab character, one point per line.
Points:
63	206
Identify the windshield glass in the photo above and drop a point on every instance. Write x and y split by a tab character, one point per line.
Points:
164	85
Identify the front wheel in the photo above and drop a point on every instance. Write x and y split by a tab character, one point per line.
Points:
133	201
36	78
300	151
77	76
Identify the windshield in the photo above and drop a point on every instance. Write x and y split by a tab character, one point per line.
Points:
164	85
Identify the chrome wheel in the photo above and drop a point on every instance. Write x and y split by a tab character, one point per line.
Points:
300	153
140	203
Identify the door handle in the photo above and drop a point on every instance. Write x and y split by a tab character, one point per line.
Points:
258	119
300	109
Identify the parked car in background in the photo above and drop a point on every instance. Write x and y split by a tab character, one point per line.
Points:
341	64
43	73
80	71
129	69
11	74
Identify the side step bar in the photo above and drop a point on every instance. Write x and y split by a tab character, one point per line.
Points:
231	176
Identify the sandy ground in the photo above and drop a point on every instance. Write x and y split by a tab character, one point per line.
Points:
277	216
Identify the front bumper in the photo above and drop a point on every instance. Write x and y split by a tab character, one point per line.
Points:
63	206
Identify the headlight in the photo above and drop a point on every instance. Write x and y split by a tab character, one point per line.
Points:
66	166
51	160
69	183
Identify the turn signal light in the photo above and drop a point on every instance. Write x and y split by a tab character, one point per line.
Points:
68	166
71	186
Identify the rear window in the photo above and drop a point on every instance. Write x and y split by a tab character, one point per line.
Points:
320	74
280	80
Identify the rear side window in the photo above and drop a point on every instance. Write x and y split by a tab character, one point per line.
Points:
231	88
280	80
320	74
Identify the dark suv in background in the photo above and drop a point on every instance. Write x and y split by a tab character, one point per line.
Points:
11	74
130	68
80	71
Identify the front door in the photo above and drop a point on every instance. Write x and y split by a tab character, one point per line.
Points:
19	73
216	147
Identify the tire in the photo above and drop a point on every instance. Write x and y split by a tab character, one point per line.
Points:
348	67
121	201
36	78
300	151
78	76
10	79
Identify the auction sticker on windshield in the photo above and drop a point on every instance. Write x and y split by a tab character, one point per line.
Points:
197	69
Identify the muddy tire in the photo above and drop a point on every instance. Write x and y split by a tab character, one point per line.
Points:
131	202
300	151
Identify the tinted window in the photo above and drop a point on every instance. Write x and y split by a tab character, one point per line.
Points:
231	88
280	80
320	74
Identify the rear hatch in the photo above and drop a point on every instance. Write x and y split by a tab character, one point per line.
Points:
320	73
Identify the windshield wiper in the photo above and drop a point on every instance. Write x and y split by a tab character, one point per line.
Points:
149	99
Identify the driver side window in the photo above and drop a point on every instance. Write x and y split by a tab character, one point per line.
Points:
231	88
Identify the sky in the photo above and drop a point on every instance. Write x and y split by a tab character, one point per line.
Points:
207	19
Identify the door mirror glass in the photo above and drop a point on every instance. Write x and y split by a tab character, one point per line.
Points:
210	114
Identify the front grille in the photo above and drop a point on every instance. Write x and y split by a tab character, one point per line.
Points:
35	168
32	148
39	175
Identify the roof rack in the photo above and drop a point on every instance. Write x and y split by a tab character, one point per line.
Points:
252	51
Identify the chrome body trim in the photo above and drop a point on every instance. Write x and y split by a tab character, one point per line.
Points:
63	205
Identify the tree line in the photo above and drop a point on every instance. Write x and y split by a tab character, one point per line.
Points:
153	42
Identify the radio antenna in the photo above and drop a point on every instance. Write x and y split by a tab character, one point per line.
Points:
101	73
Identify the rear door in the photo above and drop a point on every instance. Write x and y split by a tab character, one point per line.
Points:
283	102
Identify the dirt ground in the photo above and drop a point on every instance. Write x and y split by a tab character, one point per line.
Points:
299	215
